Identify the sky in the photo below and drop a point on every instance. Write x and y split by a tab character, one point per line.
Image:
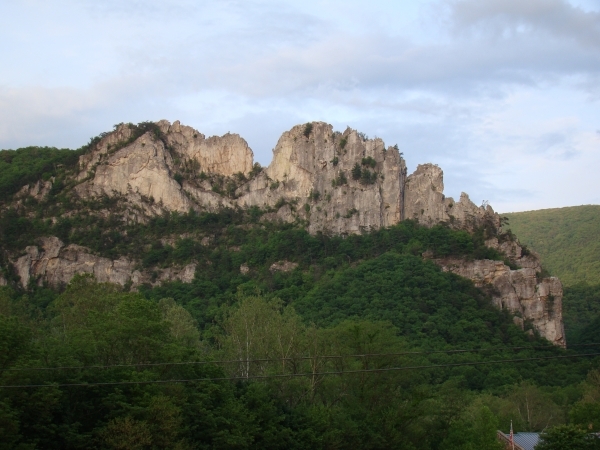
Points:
503	95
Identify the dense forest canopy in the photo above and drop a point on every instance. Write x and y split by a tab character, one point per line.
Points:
356	342
30	164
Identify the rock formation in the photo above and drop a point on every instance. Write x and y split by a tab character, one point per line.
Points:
56	264
425	202
313	170
39	190
338	183
536	301
225	155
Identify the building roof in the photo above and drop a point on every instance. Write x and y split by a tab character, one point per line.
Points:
523	441
527	440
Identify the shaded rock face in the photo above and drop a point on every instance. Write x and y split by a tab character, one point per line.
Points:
57	264
38	190
520	291
283	266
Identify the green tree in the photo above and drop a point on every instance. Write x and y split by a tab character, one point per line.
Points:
586	412
475	430
257	329
535	409
567	437
356	172
182	326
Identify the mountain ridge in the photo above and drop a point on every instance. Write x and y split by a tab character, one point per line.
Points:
325	181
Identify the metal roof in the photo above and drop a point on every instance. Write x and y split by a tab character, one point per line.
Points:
527	440
523	441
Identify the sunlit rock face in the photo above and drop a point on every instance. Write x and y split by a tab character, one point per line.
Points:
340	183
424	201
225	155
312	170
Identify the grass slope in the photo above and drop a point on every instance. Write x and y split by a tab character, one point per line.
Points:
567	239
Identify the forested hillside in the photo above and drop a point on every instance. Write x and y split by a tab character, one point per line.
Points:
281	339
352	305
568	241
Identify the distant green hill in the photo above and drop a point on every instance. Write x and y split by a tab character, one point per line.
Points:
567	239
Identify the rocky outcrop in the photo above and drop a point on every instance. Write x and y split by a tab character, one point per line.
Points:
56	264
523	291
425	202
283	266
141	172
511	248
38	190
147	171
225	155
340	183
312	168
332	182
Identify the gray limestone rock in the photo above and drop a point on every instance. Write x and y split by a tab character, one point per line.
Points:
38	190
57	264
519	291
311	172
225	155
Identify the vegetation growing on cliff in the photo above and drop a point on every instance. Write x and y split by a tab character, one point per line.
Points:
28	165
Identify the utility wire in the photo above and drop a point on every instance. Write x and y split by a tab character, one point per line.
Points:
232	361
305	374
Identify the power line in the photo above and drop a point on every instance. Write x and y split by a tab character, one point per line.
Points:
305	374
232	361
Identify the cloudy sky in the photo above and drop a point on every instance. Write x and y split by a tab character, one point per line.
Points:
503	94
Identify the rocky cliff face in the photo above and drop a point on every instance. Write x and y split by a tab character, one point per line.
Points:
56	264
225	155
145	172
312	170
534	300
425	202
339	183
